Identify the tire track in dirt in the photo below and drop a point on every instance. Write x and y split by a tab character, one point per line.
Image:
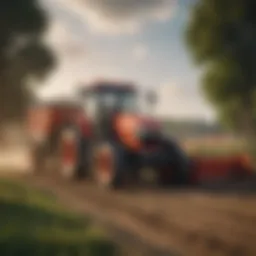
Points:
103	209
212	219
190	222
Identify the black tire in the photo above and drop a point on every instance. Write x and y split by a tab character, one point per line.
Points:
178	172
79	169
117	176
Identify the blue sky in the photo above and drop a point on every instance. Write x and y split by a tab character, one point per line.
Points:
141	41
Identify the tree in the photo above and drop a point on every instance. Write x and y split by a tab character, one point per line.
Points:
23	54
221	36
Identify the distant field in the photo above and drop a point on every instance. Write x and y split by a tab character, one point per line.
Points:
215	146
14	141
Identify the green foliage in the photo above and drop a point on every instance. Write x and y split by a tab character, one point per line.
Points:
33	223
221	36
218	28
22	53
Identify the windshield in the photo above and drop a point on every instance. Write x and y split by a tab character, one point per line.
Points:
110	100
120	100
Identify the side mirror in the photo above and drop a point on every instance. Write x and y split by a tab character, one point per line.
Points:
151	98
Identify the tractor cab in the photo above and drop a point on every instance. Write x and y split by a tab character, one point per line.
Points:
114	96
106	102
106	97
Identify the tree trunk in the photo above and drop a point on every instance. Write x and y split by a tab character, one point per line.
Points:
250	135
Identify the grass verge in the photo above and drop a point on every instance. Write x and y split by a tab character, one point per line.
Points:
33	223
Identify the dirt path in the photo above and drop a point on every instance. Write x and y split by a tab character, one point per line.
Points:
191	222
194	222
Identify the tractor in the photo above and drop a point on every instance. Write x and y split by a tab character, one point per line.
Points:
104	136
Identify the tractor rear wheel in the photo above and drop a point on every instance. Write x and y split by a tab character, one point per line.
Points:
71	154
177	173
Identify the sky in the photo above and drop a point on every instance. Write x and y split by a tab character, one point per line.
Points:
136	40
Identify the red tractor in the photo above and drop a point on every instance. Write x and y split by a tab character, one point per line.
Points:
106	137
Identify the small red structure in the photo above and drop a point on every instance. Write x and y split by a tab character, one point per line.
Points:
209	169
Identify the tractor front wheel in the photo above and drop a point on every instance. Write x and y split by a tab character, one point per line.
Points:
108	166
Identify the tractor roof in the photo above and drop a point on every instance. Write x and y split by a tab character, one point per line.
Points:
56	102
102	85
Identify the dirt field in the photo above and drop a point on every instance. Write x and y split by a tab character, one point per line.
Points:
215	220
190	222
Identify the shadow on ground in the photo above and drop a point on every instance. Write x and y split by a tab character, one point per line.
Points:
246	186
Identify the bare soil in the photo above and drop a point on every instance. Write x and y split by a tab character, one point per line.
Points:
203	221
215	219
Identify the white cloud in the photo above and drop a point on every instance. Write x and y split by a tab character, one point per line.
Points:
171	89
71	61
120	16
63	42
140	52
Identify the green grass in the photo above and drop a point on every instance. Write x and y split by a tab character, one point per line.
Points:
33	223
208	147
216	152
